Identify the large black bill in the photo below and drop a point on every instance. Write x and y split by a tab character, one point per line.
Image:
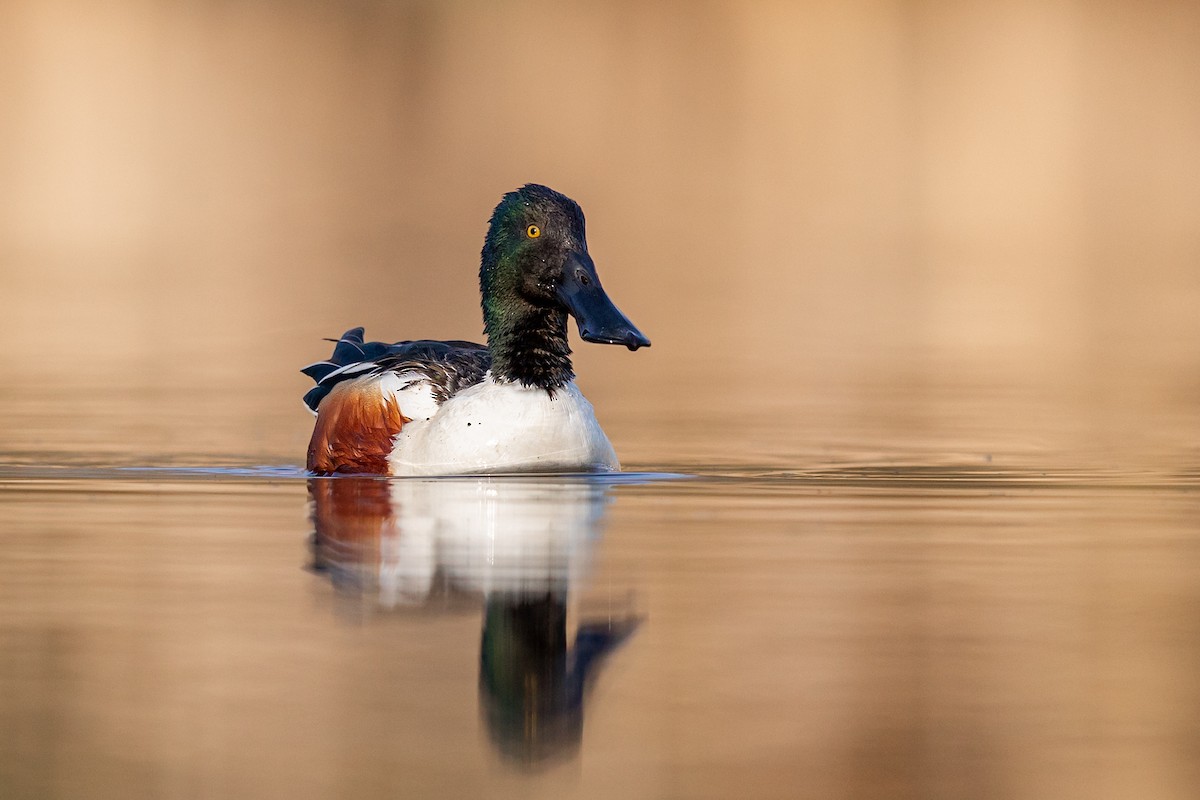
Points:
599	320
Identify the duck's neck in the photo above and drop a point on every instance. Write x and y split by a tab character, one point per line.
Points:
528	343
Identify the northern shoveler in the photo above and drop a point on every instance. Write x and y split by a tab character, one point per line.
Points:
446	408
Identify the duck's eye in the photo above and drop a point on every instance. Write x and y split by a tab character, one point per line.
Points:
533	231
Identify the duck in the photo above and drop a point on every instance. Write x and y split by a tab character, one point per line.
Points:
425	407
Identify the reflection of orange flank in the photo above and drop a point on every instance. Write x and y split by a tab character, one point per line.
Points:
350	517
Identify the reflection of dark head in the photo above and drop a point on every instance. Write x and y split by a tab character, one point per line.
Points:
532	704
531	687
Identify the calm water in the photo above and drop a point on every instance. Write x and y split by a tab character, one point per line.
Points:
953	627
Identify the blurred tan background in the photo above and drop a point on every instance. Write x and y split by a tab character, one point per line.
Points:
966	206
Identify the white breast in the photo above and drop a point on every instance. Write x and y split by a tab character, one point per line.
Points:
496	427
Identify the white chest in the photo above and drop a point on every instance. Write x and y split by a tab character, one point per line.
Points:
502	427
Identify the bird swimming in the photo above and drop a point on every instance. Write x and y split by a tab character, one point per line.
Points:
427	407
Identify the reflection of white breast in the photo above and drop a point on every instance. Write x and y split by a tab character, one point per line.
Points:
506	534
504	427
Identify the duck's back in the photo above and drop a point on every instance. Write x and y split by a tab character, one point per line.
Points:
447	366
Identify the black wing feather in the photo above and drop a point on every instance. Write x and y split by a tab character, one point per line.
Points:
448	367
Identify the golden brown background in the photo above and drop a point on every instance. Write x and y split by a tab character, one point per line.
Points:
869	215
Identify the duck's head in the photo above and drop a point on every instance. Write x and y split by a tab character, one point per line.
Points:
535	268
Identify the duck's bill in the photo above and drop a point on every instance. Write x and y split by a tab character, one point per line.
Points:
599	320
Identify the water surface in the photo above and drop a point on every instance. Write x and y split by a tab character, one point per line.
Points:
877	630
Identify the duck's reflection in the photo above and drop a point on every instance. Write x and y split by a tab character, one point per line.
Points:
523	546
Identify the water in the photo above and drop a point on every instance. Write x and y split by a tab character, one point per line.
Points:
867	630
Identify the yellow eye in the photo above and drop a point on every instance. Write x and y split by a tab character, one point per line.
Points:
533	231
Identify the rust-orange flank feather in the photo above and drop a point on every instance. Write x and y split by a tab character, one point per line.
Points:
355	427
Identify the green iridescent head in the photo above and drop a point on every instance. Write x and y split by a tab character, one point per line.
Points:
535	270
